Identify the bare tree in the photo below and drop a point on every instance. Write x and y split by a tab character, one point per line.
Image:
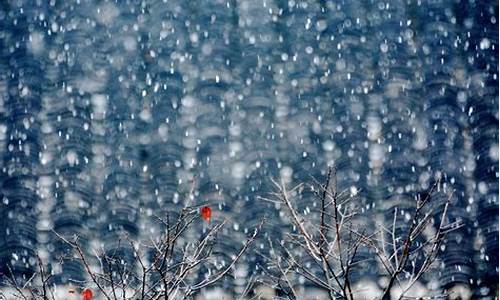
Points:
396	252
333	239
324	249
165	276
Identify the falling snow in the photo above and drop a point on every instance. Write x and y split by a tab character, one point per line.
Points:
111	110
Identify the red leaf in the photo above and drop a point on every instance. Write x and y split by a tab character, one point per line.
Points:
206	213
87	294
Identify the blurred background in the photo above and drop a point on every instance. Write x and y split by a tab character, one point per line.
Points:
110	110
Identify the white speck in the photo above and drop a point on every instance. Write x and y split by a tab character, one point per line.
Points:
45	157
328	145
145	115
286	173
482	187
72	158
26	123
163	131
194	37
471	110
494	152
308	24
321	25
384	47
24	91
353	190
188	101
484	44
